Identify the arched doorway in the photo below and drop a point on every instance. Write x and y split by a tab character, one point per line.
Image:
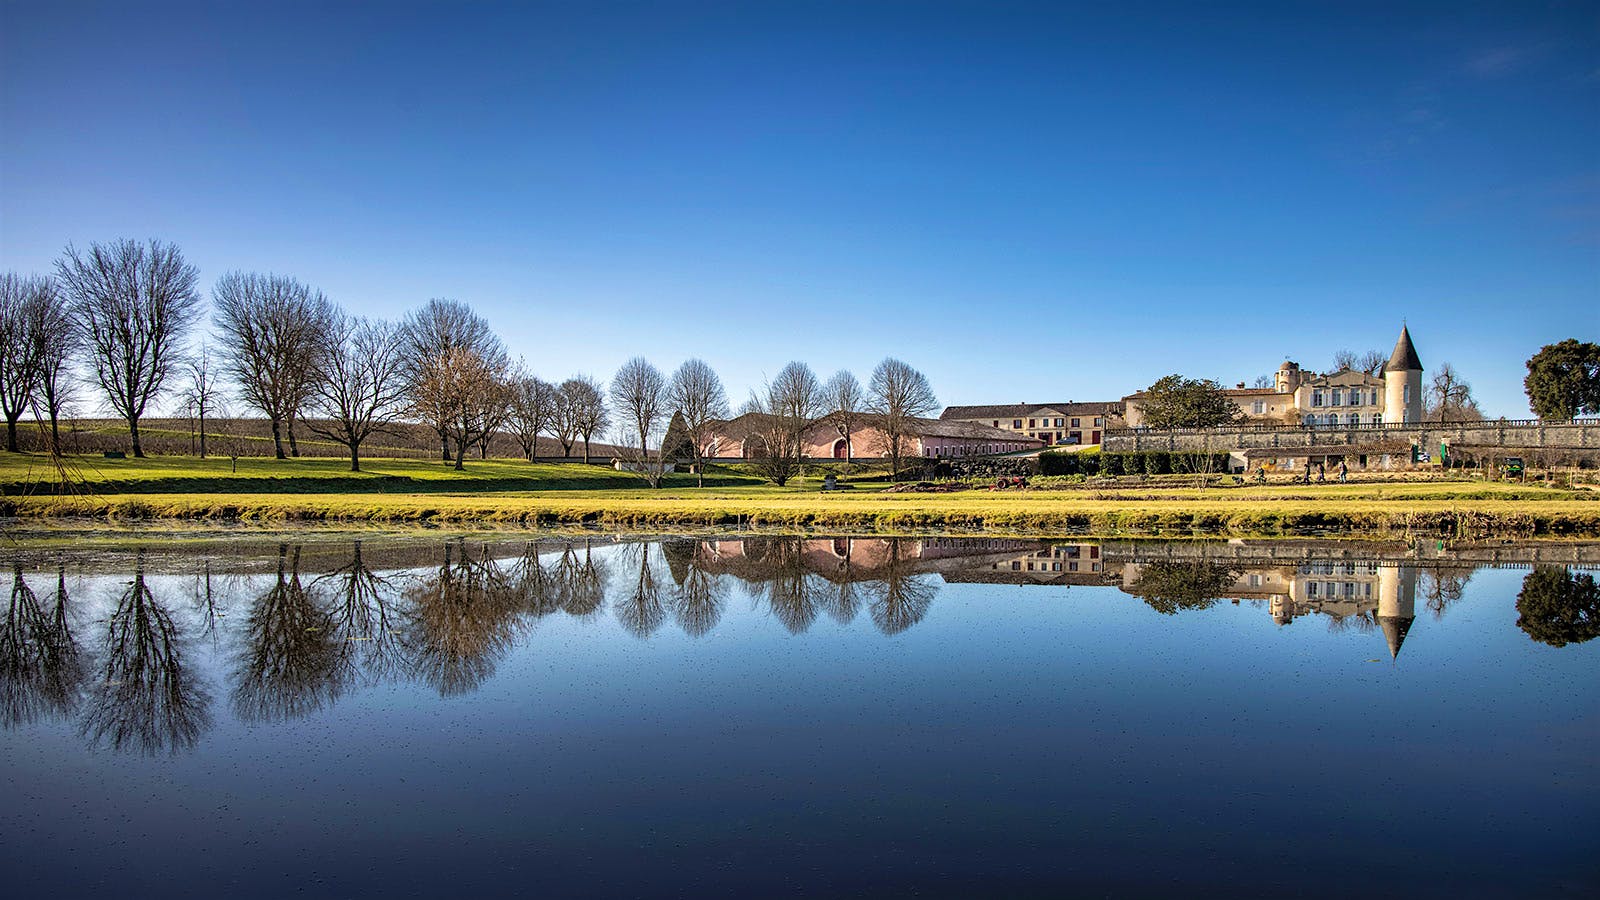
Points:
841	449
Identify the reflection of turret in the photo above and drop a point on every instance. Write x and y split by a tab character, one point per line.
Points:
1397	604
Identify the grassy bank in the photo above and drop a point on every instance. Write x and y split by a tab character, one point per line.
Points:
516	493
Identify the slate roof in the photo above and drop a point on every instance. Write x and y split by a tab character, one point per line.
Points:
1404	357
1023	410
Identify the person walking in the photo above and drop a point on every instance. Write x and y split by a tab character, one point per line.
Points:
1344	472
1322	472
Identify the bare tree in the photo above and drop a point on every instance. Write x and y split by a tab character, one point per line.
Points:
494	409
1450	398
360	385
565	414
1264	381
586	404
273	329
58	352
455	390
200	393
639	394
842	395
789	406
697	395
133	304
533	409
22	301
433	332
897	396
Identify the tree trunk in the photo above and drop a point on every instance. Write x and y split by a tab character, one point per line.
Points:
294	449
55	434
355	456
277	439
461	454
11	433
586	449
133	431
202	434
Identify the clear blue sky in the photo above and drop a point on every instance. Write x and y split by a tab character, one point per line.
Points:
1028	201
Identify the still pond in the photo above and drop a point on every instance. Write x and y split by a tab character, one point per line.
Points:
368	715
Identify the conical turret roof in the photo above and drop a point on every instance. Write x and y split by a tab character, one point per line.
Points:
1394	631
1404	357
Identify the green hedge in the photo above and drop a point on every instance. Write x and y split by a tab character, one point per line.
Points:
1150	462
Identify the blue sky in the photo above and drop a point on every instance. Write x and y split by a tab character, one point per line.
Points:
1027	201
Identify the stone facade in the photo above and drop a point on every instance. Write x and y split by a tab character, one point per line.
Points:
740	438
1051	423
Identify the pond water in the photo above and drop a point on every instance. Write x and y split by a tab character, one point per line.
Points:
757	715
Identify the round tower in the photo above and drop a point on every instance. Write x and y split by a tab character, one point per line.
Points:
1402	382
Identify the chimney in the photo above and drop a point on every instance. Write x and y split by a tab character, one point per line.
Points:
1241	385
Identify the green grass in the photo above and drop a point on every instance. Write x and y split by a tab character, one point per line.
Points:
31	474
517	493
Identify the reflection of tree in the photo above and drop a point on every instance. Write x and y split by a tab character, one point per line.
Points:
1170	586
698	603
1443	585
534	586
146	698
359	615
288	665
842	600
459	622
900	598
580	581
41	668
641	611
1558	607
788	586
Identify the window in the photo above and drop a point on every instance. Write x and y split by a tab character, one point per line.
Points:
1338	397
997	423
1353	419
1377	418
1074	422
1258	407
1408	394
1033	423
1316	398
1058	422
1016	423
1099	422
1311	419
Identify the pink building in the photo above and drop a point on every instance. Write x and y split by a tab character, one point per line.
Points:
741	438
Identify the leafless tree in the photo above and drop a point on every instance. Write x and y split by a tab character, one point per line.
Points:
564	416
1264	381
1371	362
360	384
433	333
133	304
533	409
782	413
639	395
496	406
22	304
200	393
41	664
273	329
897	396
696	394
58	352
585	404
845	404
642	610
1450	398
455	390
289	661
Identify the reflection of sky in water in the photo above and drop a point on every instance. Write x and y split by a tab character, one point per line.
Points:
930	725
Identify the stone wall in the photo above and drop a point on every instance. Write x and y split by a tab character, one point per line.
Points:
1523	434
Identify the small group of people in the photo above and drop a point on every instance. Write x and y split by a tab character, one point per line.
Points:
1322	472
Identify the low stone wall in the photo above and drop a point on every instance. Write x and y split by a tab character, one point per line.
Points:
1526	434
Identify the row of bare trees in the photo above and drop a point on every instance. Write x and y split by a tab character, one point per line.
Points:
127	313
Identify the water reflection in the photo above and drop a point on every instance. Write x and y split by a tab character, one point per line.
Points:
144	696
300	625
1559	607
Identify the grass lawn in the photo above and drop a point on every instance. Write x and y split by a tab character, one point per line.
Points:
514	492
